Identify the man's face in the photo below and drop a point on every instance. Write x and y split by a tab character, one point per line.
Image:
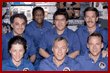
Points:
18	26
95	45
60	49
60	22
90	18
17	51
38	16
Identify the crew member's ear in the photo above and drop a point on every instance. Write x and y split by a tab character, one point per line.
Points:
10	51
102	45
97	19
67	50
87	45
12	25
52	49
32	17
66	22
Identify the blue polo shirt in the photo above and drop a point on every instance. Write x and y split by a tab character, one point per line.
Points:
5	39
49	36
47	64
88	63
8	65
35	32
83	33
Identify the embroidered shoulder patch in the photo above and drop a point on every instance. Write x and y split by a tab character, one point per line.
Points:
66	69
102	65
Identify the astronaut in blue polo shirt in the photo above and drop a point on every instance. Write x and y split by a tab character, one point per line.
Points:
93	60
91	15
18	22
17	47
59	61
36	28
60	20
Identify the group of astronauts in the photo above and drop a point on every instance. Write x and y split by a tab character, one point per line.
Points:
43	46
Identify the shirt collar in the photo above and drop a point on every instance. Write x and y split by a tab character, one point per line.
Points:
55	31
97	29
51	59
88	58
12	64
12	34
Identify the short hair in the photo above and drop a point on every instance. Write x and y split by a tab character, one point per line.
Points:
95	34
37	8
17	40
91	9
22	16
59	38
61	12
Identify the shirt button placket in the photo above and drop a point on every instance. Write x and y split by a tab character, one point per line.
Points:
93	63
41	31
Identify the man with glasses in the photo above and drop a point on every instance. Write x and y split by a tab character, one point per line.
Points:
60	20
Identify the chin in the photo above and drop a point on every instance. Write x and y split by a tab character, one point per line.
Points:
94	54
40	22
60	29
60	58
20	33
90	26
17	60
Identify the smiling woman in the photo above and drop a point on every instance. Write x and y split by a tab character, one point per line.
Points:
17	47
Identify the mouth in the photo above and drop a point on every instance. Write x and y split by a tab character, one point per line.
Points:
20	32
89	22
59	54
39	20
94	50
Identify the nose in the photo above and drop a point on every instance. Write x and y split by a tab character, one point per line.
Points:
89	18
59	22
94	46
17	53
60	50
20	26
39	16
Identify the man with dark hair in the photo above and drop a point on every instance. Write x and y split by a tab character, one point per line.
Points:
60	20
18	23
36	29
91	16
93	60
17	47
59	61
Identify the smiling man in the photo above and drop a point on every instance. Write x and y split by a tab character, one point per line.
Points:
59	61
18	23
36	28
60	20
91	16
93	60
